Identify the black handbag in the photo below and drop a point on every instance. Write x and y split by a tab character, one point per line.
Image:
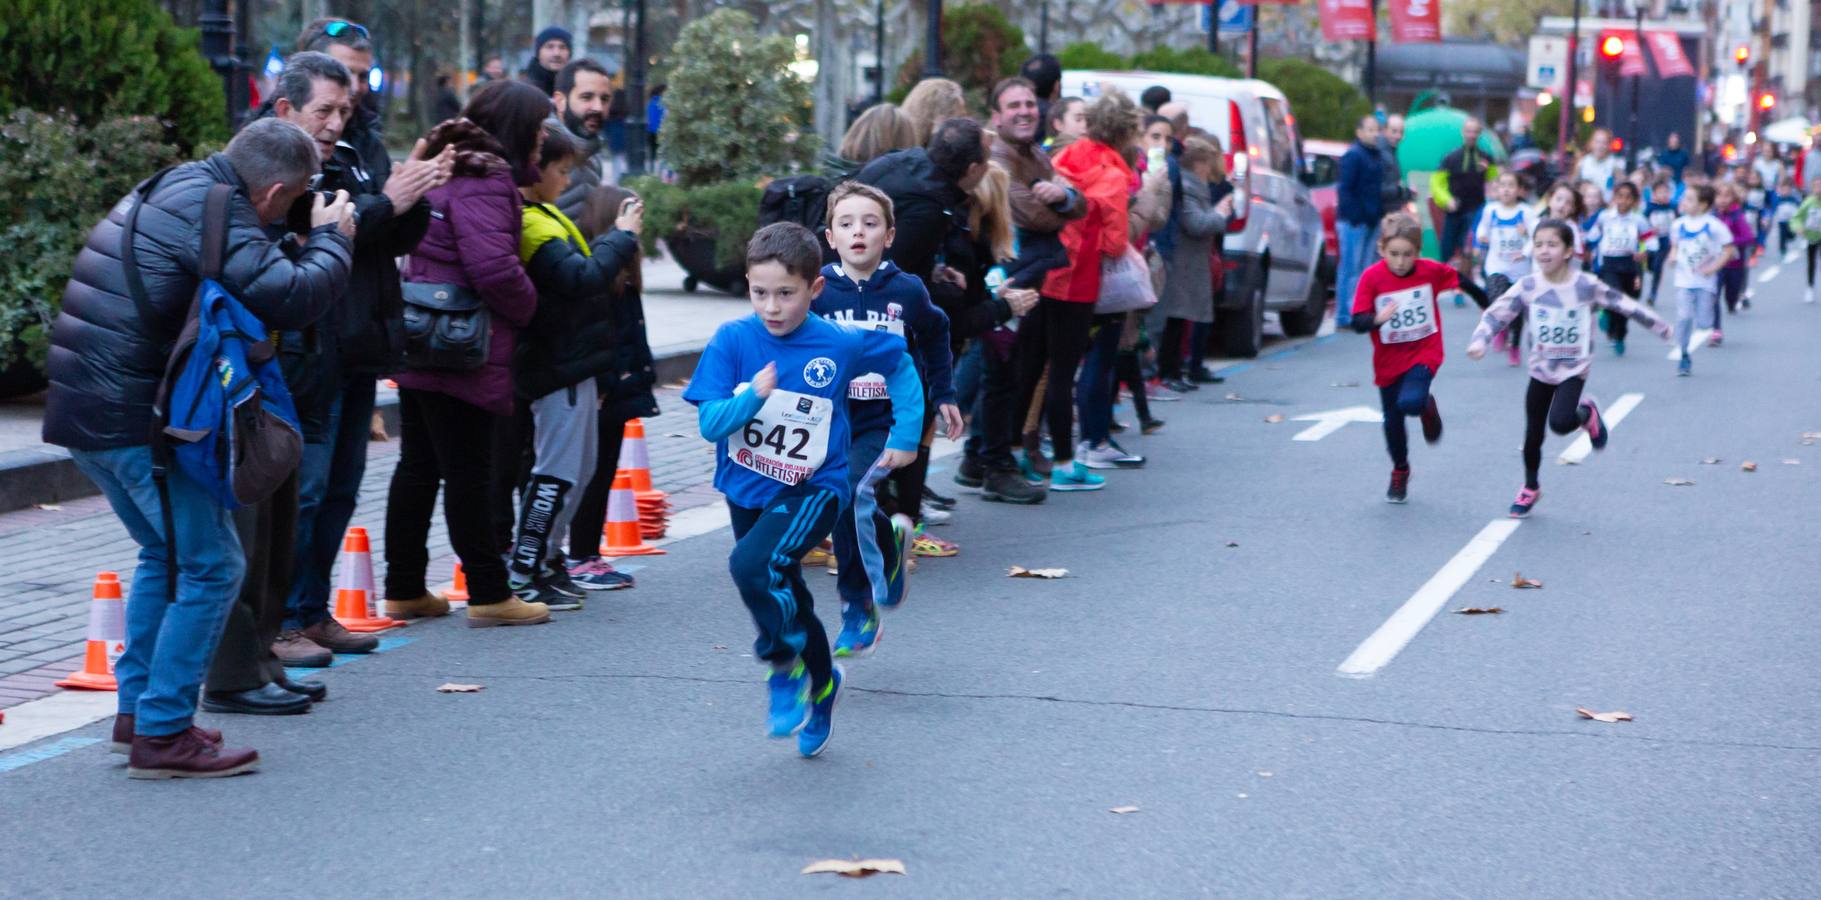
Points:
447	328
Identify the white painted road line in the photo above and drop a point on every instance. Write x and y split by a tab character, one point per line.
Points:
1611	415
1330	421
1770	274
1696	341
1792	256
56	714
1390	639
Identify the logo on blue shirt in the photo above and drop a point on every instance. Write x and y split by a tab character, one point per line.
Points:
819	372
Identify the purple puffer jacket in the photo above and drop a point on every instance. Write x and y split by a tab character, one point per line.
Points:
473	242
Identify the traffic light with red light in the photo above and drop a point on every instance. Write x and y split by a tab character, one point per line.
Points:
1767	101
1612	46
1742	55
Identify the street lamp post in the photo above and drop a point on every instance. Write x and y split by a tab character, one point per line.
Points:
218	48
879	52
635	93
1214	27
932	53
1631	139
1568	90
1372	60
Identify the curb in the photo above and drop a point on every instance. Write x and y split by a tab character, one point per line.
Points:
46	474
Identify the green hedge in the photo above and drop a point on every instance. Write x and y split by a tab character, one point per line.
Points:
729	211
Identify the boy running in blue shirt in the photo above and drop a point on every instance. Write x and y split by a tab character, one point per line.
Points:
770	391
868	292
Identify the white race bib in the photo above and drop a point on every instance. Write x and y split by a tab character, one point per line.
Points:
1560	334
1507	241
1619	238
788	440
1812	222
1412	318
870	386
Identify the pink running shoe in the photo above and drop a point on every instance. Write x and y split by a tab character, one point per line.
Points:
1596	427
1526	498
1713	340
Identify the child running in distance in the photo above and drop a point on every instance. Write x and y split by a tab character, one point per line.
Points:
771	392
1729	208
1399	301
1701	245
1808	221
1784	203
1505	233
1558	301
1661	211
866	291
1619	233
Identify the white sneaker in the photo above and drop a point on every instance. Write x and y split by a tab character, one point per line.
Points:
934	516
1106	456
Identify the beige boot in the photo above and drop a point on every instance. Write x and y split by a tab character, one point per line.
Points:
428	606
511	611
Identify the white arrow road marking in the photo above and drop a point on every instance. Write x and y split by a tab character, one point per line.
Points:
1696	341
1770	274
1334	420
1389	640
1610	416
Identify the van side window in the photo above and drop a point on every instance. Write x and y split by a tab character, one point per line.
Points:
1283	143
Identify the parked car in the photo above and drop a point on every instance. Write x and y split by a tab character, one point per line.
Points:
1321	171
1273	247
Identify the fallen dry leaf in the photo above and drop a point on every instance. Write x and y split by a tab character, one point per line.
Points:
1521	583
1748	466
1233	396
1264	774
1022	572
1603	717
1480	610
1811	435
1232	543
1710	460
453	688
1677	482
1123	810
1792	462
1274	418
1343	384
719	647
854	868
47	507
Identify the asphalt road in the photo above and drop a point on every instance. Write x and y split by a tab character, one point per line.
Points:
1187	667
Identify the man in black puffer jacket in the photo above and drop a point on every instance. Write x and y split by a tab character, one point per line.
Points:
106	362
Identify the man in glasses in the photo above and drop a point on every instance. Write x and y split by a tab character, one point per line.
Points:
361	339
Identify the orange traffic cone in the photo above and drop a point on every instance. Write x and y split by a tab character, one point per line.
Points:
458	591
638	462
354	594
107	637
622	532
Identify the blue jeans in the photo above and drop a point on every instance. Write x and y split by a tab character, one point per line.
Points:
170	634
1094	393
328	486
1358	247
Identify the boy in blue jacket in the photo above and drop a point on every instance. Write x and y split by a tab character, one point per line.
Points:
770	392
867	292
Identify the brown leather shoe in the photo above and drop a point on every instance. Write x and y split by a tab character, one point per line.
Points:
299	652
428	606
511	611
186	754
330	633
123	734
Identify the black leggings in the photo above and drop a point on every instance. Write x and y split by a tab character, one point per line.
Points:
1813	249
1056	333
591	510
1169	348
1557	404
1621	273
446	443
1129	372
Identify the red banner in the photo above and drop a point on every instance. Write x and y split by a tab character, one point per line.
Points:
1348	20
1416	22
1631	62
1666	49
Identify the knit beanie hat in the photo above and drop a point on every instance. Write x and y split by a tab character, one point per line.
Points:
553	33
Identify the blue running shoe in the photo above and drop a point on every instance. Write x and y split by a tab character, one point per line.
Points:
1684	365
814	738
1077	477
1618	348
858	635
1030	472
897	574
789	701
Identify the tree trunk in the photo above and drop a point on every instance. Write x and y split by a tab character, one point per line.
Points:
829	46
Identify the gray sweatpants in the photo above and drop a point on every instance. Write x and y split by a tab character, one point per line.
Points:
565	438
1695	308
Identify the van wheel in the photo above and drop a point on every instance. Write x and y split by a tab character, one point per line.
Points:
1242	330
1305	320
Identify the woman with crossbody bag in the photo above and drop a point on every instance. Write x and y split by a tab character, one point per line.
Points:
466	297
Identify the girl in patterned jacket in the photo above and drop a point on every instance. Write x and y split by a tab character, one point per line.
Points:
1558	303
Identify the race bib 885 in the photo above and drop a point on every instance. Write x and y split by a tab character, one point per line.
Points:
1413	317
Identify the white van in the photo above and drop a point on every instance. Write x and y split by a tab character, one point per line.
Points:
1273	247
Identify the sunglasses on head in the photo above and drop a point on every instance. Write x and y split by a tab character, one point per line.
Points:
337	29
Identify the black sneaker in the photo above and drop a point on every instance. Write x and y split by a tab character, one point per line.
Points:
1204	376
937	500
1151	426
1432	421
971	473
1400	486
1011	487
1180	386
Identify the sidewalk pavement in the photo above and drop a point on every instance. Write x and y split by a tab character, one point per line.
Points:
52	553
678	325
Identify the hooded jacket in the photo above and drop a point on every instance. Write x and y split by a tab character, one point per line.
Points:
106	362
473	242
890	295
571	338
1105	180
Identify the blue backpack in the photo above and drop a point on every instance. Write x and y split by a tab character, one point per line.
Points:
223	415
